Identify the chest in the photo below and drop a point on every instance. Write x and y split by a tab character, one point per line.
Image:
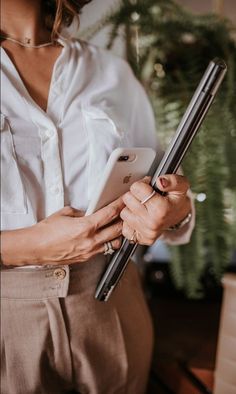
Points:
55	158
35	68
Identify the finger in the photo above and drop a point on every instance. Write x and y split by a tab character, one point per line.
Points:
154	204
107	214
141	190
144	227
130	218
134	205
108	233
173	184
115	243
100	249
127	231
141	238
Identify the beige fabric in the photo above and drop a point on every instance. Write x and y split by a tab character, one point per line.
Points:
225	375
56	337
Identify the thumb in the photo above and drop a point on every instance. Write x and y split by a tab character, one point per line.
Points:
173	184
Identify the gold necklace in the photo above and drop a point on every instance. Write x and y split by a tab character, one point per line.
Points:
27	43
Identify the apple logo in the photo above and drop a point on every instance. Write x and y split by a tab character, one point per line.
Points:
127	178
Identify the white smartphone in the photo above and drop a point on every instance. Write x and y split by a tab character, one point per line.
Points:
124	167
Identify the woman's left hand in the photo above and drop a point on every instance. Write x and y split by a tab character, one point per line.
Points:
144	223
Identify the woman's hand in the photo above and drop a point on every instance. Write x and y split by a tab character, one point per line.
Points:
65	237
146	222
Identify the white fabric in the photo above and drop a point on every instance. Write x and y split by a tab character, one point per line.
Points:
55	158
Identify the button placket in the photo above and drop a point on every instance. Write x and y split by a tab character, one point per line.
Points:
49	133
54	196
55	190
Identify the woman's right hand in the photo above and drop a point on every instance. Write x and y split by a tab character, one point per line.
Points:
65	237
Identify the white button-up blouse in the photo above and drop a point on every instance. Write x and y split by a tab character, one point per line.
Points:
55	158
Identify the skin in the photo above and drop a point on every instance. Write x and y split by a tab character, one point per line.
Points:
67	236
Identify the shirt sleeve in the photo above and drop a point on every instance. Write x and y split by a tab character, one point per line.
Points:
144	133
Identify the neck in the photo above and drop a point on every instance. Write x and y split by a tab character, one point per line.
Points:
22	20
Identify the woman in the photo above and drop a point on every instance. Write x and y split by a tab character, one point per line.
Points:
66	106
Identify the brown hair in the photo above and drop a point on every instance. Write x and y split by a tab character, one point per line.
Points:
59	13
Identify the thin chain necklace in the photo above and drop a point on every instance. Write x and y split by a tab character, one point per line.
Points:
27	43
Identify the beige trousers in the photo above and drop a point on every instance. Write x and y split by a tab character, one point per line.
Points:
57	338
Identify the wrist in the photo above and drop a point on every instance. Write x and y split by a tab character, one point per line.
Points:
18	247
186	220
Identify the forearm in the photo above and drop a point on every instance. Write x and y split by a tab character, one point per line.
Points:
18	247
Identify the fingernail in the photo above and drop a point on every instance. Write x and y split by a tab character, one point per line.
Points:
164	182
147	179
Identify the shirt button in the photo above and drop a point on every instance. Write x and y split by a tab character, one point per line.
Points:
55	190
49	133
59	273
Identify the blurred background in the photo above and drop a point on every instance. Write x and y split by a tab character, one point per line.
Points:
168	45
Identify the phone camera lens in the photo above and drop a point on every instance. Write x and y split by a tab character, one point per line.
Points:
123	158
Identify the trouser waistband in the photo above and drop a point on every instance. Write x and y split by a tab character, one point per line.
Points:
59	281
